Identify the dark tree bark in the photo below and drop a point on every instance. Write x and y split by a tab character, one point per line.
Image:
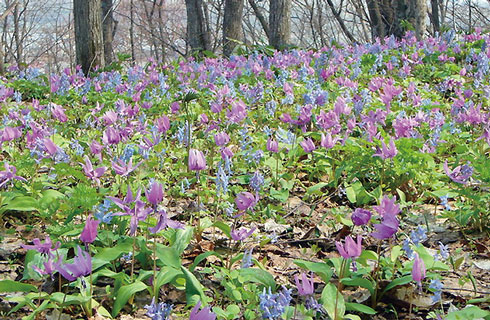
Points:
131	30
107	29
198	36
412	11
88	34
261	18
434	17
381	17
279	23
339	19
232	25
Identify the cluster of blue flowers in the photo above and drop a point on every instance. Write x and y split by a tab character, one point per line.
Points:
273	305
160	311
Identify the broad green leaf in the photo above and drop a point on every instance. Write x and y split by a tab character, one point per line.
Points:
470	312
14	286
167	275
223	227
282	195
194	290
124	293
316	188
332	298
352	306
168	256
258	276
322	269
202	257
359	282
107	255
181	239
22	203
398	282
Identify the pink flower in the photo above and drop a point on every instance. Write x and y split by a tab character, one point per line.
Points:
204	314
327	141
418	270
89	233
221	138
361	216
242	234
272	145
387	152
162	124
306	287
154	194
351	249
245	200
308	145
90	172
197	161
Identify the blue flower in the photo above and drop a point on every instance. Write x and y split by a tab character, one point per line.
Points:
160	311
257	181
436	285
273	305
247	259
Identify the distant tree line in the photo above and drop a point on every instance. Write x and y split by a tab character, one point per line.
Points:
89	32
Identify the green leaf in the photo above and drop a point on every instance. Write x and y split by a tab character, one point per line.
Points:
316	188
181	239
49	196
14	286
359	282
223	227
22	203
398	282
201	257
320	268
124	293
470	312
351	194
282	195
352	306
167	275
106	255
194	290
330	298
168	256
258	276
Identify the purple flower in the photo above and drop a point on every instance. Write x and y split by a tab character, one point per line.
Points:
327	141
58	113
308	145
388	207
387	228
49	267
245	200
9	134
306	286
9	175
460	174
387	152
44	248
89	233
418	270
204	314
111	136
122	168
164	222
81	266
351	249
221	138
226	153
361	216
89	171
197	161
272	145
154	194
239	235
163	124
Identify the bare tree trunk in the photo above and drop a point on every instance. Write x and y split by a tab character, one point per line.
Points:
413	11
434	17
17	36
131	30
280	23
107	29
261	18
339	19
88	34
198	36
232	25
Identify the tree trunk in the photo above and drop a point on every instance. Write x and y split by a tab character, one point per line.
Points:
232	25
412	11
107	29
198	36
261	18
279	23
131	30
381	18
88	34
434	17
